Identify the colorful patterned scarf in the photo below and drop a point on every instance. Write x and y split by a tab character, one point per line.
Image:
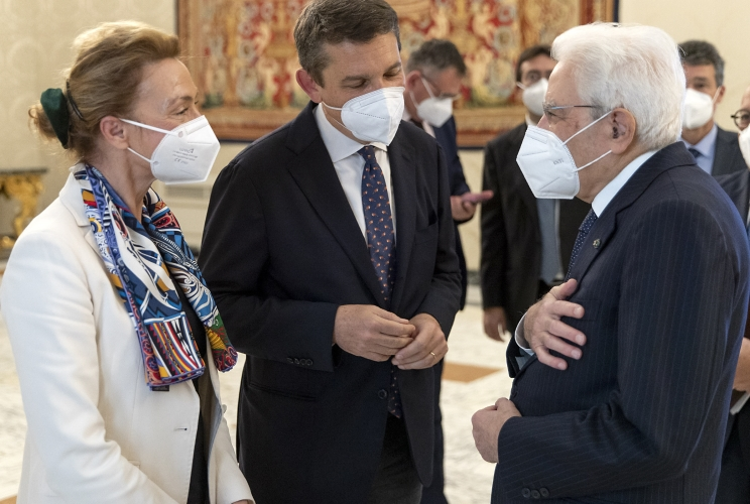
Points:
139	257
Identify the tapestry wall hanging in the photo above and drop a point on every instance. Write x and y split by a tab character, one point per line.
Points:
241	54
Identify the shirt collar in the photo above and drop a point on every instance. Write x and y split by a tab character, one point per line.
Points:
339	145
706	145
607	194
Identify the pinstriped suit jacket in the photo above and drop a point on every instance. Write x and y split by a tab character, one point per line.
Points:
641	417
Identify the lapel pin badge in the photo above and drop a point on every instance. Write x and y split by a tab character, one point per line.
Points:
597	243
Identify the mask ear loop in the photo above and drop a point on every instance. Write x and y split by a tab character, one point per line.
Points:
581	131
716	95
585	128
331	118
594	161
426	84
152	128
339	122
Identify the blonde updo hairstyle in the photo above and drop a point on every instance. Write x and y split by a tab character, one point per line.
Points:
104	79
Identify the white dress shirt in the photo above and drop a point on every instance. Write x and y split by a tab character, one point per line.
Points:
600	203
610	190
350	166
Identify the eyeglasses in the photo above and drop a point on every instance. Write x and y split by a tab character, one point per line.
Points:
547	108
741	118
437	92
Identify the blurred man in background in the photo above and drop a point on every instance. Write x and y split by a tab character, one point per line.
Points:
526	242
715	150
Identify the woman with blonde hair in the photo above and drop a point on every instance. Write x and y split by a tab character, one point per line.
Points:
116	338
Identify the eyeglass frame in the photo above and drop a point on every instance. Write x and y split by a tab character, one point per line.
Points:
547	108
738	115
439	94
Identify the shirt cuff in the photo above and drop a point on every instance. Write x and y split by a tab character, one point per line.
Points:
520	340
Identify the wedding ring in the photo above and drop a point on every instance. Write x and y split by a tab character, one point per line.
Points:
433	354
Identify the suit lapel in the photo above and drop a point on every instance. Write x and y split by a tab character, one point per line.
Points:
605	226
744	198
737	187
597	239
720	152
727	156
403	179
316	177
70	197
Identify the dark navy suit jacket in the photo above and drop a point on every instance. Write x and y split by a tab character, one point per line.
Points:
727	156
281	252
737	186
663	277
446	138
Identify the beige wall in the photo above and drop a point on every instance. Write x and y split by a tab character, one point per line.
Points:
724	23
35	46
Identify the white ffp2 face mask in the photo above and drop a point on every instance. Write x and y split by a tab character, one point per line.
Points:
547	164
185	155
375	116
745	145
435	111
533	96
698	109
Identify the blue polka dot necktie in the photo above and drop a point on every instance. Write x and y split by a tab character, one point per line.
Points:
583	231
381	243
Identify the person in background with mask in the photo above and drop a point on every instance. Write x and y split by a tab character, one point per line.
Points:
434	73
329	245
734	483
526	242
715	150
116	338
659	288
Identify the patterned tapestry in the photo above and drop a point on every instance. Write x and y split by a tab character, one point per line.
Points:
242	54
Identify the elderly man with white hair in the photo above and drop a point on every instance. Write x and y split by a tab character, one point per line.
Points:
623	374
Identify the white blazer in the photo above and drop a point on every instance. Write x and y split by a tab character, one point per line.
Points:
96	432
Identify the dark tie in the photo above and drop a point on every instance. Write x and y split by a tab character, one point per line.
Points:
583	231
696	154
381	243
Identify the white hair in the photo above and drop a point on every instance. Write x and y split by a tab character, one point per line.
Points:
630	66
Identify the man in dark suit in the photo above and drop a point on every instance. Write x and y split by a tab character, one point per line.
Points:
734	483
659	291
329	247
434	75
526	242
715	150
